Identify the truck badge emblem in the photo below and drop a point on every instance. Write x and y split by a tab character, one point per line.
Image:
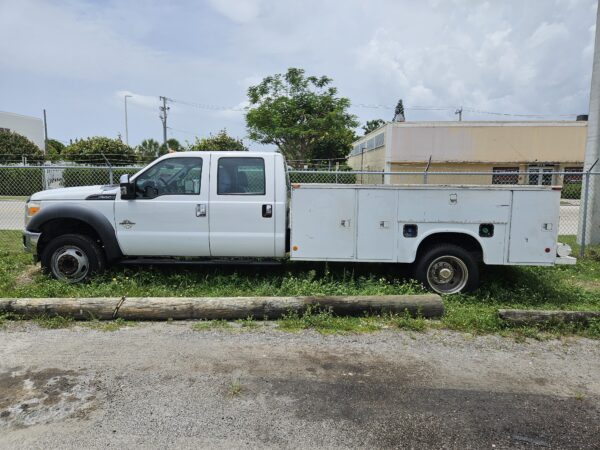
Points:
127	224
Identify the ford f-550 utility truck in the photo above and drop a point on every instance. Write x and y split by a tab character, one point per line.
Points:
240	205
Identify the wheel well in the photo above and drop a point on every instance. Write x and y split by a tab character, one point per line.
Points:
468	242
58	227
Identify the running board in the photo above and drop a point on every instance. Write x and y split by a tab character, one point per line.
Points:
203	262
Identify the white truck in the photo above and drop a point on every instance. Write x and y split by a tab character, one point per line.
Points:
216	205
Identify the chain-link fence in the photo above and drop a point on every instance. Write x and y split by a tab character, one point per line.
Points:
18	182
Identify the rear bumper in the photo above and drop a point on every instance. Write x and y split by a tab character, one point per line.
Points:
30	242
565	260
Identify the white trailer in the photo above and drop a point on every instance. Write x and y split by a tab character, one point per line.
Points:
238	205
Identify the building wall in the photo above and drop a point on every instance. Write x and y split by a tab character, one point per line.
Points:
463	177
30	127
488	141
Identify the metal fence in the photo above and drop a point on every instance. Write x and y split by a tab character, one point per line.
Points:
18	182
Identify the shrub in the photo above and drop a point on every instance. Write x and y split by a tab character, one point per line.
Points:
13	147
90	150
21	180
571	191
78	176
307	177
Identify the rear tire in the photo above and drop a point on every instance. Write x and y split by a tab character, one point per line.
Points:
448	269
72	258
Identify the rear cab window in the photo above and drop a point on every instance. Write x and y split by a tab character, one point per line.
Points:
241	176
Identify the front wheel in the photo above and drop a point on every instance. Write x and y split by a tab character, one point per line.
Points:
448	269
72	258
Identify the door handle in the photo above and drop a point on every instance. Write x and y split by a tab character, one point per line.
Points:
267	210
201	210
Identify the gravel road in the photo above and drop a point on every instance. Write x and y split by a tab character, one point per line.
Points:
166	386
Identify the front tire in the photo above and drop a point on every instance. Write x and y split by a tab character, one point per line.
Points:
448	269
72	258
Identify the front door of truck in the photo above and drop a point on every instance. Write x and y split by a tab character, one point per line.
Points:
242	206
169	216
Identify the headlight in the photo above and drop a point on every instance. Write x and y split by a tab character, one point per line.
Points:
31	209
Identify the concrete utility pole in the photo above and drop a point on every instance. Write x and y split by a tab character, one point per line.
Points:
126	126
592	152
45	133
163	117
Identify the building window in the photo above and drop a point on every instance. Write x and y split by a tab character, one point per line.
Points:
572	175
241	176
505	175
540	175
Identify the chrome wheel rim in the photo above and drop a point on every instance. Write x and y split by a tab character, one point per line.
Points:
447	274
70	263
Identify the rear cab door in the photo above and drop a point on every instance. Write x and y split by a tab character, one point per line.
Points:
242	205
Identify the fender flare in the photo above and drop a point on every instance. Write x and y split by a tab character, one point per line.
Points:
91	217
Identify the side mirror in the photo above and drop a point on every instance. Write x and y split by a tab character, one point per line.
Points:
127	187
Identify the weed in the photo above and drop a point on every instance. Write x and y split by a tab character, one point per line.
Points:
107	325
203	325
53	322
407	322
234	388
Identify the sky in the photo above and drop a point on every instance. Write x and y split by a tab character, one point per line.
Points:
78	59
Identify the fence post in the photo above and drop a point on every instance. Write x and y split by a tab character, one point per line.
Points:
584	218
45	178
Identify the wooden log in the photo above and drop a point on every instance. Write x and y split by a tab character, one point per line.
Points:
532	317
228	308
101	308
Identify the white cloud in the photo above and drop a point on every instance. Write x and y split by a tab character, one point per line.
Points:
78	58
240	11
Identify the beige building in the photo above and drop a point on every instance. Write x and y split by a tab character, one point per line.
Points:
534	151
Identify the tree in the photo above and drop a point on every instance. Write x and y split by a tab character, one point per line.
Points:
13	147
172	144
220	142
372	125
90	150
301	115
54	149
149	149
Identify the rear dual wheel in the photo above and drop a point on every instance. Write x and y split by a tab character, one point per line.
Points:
448	269
72	258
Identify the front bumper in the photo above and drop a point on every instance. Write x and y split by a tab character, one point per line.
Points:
30	242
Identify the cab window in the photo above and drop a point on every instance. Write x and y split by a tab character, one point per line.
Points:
173	176
241	176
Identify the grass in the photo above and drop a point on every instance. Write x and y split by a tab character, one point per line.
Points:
234	388
561	287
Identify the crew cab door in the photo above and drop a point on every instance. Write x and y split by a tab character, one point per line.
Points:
169	216
242	209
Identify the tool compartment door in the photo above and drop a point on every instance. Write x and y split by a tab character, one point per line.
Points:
534	227
323	223
376	224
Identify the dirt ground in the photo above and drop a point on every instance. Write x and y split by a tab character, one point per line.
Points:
164	385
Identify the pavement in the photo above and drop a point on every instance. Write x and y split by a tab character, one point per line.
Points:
164	385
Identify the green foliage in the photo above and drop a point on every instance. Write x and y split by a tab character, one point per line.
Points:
571	191
77	176
21	181
14	146
54	149
219	142
372	125
337	178
90	150
301	115
149	149
173	144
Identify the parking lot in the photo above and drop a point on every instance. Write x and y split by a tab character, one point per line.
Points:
165	385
